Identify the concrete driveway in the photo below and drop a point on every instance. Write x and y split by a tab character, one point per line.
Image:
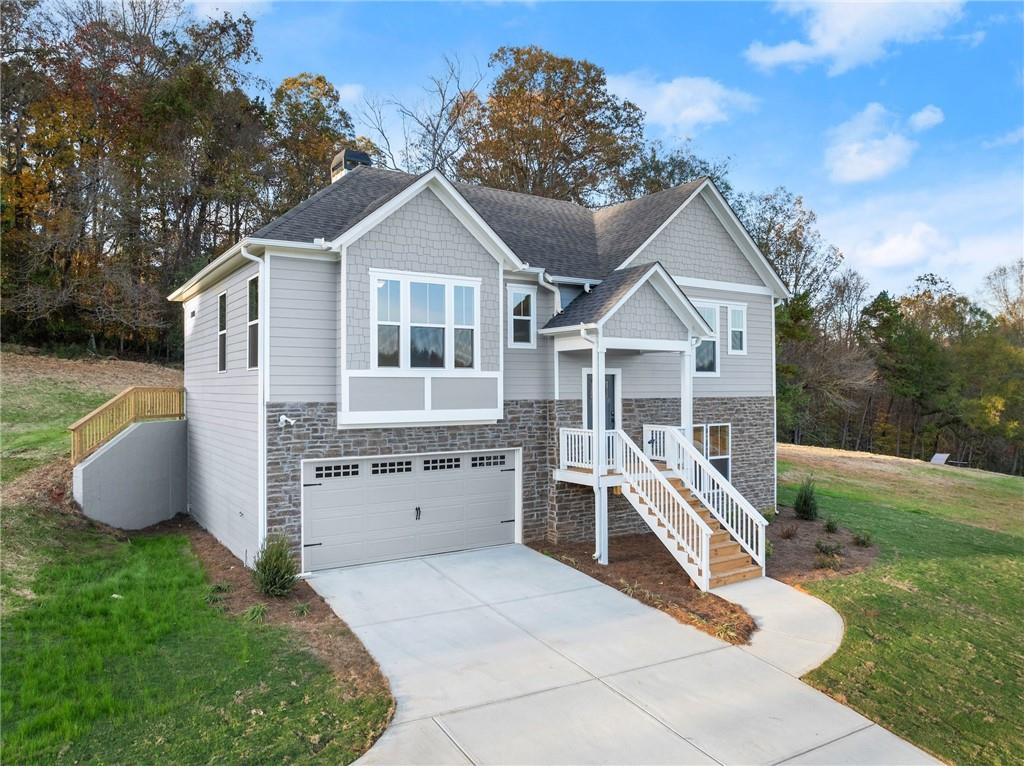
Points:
503	655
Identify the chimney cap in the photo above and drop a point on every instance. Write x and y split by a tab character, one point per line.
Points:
347	159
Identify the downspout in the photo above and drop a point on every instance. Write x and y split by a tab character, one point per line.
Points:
262	373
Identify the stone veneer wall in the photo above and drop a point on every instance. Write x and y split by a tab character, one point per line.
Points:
555	511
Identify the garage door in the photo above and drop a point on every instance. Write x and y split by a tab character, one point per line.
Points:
375	509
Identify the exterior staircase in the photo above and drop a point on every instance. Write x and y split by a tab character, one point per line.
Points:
729	562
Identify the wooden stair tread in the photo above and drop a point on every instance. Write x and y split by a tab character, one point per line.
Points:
739	575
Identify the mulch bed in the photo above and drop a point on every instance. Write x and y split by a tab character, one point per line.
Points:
320	629
640	567
796	559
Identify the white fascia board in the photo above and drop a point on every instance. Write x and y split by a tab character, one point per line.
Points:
735	228
673	296
455	203
567	330
731	287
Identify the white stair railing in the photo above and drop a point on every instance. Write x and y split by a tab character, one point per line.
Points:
688	530
733	511
576	448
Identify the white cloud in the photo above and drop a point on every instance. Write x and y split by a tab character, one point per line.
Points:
848	35
927	118
867	146
351	93
685	104
960	231
1007	139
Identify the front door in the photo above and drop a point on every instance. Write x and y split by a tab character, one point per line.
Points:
612	401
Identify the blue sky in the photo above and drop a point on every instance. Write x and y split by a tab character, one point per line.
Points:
902	125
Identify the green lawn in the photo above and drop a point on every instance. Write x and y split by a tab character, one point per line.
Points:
34	420
933	647
116	657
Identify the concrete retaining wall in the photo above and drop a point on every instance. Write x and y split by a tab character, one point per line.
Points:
138	478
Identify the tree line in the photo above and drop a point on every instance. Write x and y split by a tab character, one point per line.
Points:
138	145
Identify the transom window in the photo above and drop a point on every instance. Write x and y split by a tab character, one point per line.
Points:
424	322
706	354
522	316
715	443
222	332
737	329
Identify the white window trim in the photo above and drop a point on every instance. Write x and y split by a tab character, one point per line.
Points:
730	307
405	278
250	322
223	332
617	373
718	341
530	290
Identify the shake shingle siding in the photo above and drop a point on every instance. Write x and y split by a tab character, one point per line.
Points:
645	315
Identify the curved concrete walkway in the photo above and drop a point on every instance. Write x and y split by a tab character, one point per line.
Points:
505	656
796	632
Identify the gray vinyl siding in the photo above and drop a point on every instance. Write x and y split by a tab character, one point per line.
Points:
303	329
741	375
421	236
695	244
652	375
222	413
529	371
645	315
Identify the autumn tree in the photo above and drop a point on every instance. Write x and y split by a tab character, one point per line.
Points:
549	126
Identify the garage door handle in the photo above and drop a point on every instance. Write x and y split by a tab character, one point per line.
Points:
317	484
311	545
508	521
506	470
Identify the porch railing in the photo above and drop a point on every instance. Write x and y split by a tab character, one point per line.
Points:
733	511
130	406
576	448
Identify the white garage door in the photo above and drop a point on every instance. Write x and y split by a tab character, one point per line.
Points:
375	509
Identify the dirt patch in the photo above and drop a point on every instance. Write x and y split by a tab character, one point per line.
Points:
640	567
98	374
303	611
795	557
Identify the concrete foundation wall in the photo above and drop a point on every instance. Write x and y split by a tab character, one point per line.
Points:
138	478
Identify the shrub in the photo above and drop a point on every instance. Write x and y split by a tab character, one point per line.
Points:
255	613
806	505
275	570
831	526
828	549
862	539
824	561
301	609
769	514
787	531
769	549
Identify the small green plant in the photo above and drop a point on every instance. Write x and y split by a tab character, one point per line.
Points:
256	613
824	561
769	549
831	526
302	609
220	587
862	539
769	514
275	570
806	503
828	549
787	531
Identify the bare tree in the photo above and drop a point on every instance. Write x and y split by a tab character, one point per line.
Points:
840	309
1004	287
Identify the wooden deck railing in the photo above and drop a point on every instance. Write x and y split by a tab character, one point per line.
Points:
129	406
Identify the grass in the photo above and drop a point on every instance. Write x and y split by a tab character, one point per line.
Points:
933	631
114	653
34	420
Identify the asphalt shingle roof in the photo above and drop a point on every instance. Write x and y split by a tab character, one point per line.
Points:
589	307
563	238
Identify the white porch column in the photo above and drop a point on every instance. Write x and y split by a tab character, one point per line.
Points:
686	392
600	450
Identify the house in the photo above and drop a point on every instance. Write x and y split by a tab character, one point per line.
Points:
402	365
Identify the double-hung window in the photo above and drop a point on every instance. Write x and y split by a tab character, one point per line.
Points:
253	327
714	441
425	322
737	329
522	316
222	332
706	354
